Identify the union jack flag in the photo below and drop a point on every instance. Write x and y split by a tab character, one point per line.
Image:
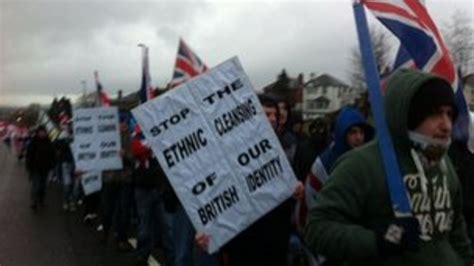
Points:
188	65
102	97
422	47
146	89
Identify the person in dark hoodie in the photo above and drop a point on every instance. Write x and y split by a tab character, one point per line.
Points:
353	218
40	159
351	131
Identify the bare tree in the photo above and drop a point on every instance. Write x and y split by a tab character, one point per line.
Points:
382	45
459	36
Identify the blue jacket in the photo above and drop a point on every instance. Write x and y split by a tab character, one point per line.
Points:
348	118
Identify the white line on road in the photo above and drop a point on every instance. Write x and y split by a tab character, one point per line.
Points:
151	260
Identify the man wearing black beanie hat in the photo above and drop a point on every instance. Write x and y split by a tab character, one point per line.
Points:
431	114
430	96
353	218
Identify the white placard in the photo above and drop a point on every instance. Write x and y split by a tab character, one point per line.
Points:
91	182
96	143
219	151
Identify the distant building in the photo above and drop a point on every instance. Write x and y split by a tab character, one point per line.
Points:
325	94
468	82
288	88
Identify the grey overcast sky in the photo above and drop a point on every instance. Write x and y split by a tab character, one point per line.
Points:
48	47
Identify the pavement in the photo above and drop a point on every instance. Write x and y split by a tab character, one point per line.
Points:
49	236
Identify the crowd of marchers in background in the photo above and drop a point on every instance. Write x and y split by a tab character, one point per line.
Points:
340	212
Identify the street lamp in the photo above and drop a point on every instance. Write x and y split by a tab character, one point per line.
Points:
144	49
84	86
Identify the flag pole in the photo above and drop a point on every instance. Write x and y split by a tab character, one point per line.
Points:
143	87
97	90
398	195
84	89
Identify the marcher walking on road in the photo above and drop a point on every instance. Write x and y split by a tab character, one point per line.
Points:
40	159
65	163
353	219
117	194
147	175
266	241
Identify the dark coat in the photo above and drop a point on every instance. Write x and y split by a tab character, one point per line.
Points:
463	162
40	156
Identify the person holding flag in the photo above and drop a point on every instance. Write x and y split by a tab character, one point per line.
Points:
354	219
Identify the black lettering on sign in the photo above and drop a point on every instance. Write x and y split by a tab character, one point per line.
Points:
82	119
264	174
109	144
212	209
86	156
184	147
254	152
227	90
87	180
84	145
107	117
173	120
83	130
202	185
232	119
107	128
108	154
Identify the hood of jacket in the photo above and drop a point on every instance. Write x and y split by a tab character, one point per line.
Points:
400	92
348	118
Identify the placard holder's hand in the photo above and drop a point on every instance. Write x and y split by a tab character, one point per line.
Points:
202	241
402	234
299	191
78	173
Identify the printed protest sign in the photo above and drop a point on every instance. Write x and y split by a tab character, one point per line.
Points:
219	151
96	139
91	182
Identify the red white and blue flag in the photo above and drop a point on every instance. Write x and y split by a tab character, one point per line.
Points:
423	47
188	65
146	89
102	98
3	130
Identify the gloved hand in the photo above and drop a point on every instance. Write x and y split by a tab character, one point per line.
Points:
402	234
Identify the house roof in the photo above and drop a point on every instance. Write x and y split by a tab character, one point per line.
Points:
468	77
326	81
283	82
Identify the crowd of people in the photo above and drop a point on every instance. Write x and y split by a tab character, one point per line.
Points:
340	213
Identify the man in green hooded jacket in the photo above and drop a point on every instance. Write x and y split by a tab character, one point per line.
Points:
353	220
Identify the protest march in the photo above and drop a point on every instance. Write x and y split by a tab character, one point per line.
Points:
213	170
